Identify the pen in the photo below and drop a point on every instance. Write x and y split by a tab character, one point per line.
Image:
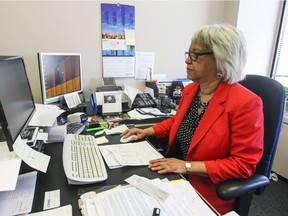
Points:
95	129
156	212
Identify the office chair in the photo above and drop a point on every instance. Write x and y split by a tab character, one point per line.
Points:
273	96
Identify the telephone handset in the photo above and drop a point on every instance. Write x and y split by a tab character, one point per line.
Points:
143	100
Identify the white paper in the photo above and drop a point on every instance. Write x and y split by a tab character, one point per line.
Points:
33	158
129	154
101	140
9	176
42	136
182	201
20	200
112	103
130	37
72	99
51	199
99	96
118	66
148	187
144	63
63	211
46	106
116	130
134	114
45	115
131	92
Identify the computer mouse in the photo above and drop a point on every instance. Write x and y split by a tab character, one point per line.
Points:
127	139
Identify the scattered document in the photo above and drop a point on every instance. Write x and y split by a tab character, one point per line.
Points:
148	187
146	113
9	175
144	65
116	130
33	158
63	211
101	140
45	115
20	200
128	200
51	199
131	92
72	100
129	154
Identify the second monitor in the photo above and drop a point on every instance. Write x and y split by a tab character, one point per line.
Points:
60	74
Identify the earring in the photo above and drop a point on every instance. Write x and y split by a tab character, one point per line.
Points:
219	75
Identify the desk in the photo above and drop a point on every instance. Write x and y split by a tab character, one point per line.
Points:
55	178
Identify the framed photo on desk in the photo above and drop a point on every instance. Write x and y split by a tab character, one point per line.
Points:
112	103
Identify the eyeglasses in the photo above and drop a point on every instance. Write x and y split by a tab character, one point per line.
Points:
194	55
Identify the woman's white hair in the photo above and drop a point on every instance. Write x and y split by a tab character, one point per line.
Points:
229	47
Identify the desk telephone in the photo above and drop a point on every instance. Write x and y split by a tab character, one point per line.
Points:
143	100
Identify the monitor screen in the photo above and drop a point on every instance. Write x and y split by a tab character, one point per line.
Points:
16	99
60	74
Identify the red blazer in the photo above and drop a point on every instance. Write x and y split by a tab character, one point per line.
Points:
229	137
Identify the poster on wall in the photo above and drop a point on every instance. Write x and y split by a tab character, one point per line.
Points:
118	40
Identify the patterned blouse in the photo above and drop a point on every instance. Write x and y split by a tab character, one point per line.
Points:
189	125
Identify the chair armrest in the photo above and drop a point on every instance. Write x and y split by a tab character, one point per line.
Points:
234	188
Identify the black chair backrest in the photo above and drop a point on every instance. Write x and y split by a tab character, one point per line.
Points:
272	94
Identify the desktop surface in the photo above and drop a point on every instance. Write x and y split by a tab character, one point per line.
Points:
55	178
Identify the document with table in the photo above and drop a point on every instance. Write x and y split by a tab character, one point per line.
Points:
130	154
19	201
142	196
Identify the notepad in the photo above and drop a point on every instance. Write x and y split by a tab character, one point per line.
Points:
116	130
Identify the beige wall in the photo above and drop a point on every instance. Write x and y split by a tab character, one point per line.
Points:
162	27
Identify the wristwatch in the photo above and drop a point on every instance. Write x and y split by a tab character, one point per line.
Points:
188	167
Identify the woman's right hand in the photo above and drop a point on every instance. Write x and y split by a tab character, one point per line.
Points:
139	133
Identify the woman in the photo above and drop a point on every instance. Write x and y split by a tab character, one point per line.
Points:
218	128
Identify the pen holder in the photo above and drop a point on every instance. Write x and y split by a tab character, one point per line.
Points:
164	104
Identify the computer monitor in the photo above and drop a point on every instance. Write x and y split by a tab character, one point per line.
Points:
60	74
16	99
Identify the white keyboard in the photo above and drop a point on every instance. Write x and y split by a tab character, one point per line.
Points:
82	160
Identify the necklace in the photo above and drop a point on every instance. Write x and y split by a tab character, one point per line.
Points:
202	105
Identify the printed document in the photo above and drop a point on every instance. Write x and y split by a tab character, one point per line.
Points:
63	211
33	158
9	176
130	154
128	200
45	115
20	200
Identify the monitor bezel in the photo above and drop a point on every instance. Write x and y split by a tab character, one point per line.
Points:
57	98
3	121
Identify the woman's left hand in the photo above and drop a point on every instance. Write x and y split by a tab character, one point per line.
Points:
167	165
